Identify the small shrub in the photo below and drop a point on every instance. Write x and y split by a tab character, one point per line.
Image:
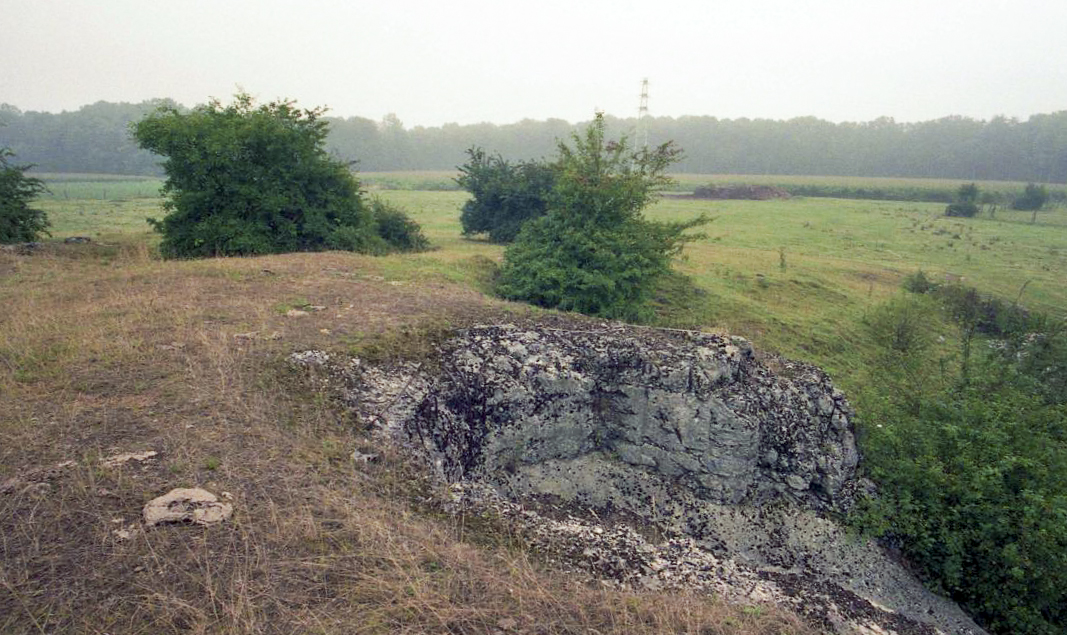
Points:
396	229
987	315
918	282
902	326
963	210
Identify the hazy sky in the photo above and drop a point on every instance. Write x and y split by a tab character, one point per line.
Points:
467	61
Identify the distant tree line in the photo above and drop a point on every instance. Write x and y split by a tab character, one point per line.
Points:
95	138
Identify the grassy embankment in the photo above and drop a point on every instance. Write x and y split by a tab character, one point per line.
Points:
104	349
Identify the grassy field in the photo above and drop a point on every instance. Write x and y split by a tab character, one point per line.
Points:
104	349
867	188
110	187
99	187
864	188
840	258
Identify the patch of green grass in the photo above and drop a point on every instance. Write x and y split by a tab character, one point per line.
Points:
100	187
413	343
102	220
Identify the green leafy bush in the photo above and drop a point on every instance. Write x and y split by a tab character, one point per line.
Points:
973	489
902	326
245	180
504	195
396	228
987	315
593	252
919	282
18	221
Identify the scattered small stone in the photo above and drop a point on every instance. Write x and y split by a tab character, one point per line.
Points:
194	505
119	459
360	457
22	249
295	313
309	358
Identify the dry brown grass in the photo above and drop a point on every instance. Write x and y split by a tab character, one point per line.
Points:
109	350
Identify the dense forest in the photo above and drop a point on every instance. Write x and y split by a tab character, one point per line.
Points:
95	138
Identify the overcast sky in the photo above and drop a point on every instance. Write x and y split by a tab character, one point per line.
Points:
467	61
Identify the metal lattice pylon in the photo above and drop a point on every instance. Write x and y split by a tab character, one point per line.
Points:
641	135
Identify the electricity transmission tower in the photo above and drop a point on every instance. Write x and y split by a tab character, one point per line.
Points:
641	133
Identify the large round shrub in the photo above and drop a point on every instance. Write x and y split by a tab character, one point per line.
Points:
246	180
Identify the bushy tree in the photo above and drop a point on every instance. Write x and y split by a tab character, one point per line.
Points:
504	195
18	221
966	204
246	180
1033	198
968	193
593	251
